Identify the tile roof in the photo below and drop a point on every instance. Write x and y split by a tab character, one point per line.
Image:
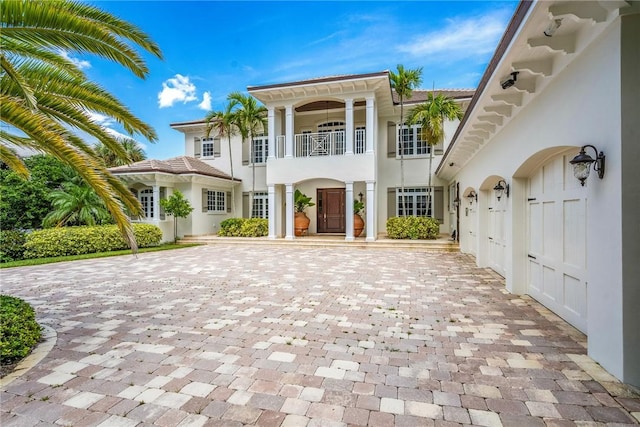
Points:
325	79
181	165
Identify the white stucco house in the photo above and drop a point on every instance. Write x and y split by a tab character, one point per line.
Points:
563	78
335	139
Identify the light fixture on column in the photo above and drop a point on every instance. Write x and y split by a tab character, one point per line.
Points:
472	196
501	188
582	164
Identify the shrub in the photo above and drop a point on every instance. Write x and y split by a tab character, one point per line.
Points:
53	242
19	331
412	227
11	245
244	227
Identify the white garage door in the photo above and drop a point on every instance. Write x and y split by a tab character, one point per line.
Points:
557	242
497	233
471	225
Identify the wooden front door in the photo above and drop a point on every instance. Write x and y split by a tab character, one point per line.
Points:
331	210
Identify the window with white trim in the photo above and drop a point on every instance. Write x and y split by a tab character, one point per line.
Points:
146	201
207	147
415	202
260	149
260	205
412	142
216	201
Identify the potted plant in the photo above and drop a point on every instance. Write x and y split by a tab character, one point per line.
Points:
301	222
358	222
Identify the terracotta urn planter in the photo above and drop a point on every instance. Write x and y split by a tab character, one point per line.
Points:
358	225
301	224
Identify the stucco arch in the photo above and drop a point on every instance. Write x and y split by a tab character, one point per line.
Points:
490	182
535	161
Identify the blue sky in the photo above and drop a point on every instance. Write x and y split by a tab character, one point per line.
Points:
212	48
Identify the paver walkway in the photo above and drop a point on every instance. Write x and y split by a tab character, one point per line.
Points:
279	336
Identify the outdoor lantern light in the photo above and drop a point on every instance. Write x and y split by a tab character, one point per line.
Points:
456	202
472	196
500	189
582	164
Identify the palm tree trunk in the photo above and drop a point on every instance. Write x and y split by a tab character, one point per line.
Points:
253	175
430	189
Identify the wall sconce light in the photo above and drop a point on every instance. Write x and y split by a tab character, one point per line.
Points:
510	81
360	195
553	26
501	189
472	196
456	202
582	164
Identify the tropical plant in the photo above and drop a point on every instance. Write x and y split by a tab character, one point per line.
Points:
403	82
430	115
134	152
178	207
251	119
75	203
301	201
358	206
24	202
19	331
224	124
44	96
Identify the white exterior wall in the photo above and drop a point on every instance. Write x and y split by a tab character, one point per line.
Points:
580	106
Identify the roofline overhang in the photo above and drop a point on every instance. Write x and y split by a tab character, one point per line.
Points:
311	82
507	38
169	174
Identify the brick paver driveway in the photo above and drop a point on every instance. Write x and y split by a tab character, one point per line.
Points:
283	336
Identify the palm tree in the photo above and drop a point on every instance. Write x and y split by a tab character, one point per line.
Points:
403	82
134	152
431	115
224	123
44	95
251	119
76	204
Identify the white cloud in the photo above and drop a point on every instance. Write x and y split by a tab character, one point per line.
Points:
176	89
467	36
206	102
80	63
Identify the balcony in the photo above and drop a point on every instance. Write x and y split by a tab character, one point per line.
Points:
321	144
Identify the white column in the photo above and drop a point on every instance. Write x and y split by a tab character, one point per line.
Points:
273	216
349	211
348	104
370	123
289	214
371	211
156	203
288	151
271	132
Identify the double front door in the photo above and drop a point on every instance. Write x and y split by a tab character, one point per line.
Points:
331	210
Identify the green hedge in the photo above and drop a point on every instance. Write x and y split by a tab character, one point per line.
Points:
19	331
11	245
62	241
244	227
412	227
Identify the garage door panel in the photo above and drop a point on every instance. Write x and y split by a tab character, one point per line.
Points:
551	243
535	229
575	295
574	237
535	278
549	285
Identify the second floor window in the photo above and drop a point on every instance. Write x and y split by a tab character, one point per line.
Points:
260	149
411	142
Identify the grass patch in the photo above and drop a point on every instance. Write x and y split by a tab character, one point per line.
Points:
40	261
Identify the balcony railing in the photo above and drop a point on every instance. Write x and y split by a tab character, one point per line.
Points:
322	144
